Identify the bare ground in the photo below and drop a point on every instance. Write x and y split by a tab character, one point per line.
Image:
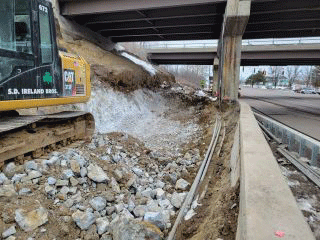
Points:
217	216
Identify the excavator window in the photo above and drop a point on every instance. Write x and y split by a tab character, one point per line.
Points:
16	53
45	35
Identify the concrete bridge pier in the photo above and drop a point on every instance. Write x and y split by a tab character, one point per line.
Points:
235	21
215	80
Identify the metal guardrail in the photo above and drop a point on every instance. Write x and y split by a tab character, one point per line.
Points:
254	42
297	142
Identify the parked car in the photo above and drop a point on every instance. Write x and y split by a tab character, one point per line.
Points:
308	91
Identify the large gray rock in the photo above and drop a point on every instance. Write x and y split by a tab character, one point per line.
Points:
159	184
76	155
165	204
177	199
75	167
182	184
125	214
155	218
149	193
25	191
33	174
61	183
153	206
140	210
10	170
131	229
29	221
118	175
52	161
67	174
98	203
114	185
84	219
138	171
83	172
7	191
160	194
50	190
10	231
52	181
102	225
131	182
3	178
31	165
16	178
131	205
96	173
110	210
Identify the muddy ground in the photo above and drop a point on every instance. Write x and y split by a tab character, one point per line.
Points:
218	212
306	193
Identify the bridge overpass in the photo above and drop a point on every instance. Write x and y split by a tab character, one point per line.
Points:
154	20
251	55
227	20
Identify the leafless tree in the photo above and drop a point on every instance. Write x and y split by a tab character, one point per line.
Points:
276	72
188	74
315	76
293	73
308	75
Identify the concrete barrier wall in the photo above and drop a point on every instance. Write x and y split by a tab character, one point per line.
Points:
296	141
268	209
235	159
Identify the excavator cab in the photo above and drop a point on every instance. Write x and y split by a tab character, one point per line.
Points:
34	74
32	71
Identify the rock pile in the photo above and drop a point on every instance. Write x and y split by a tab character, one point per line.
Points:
112	188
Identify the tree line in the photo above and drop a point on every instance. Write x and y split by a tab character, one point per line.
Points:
309	76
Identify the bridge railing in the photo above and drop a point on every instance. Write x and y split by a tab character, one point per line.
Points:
214	43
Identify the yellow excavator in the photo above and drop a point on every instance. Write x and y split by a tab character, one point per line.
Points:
34	73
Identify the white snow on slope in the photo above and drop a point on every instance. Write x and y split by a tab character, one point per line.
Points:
141	114
147	66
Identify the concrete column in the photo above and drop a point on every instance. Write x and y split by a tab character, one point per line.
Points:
215	81
235	21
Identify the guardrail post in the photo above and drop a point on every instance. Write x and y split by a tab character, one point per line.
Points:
290	141
283	137
315	156
302	147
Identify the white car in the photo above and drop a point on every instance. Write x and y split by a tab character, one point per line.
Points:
308	91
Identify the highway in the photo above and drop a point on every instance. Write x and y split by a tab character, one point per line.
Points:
296	110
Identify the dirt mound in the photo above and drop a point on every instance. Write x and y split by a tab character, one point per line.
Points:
129	80
113	69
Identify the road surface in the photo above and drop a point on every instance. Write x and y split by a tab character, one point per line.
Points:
296	110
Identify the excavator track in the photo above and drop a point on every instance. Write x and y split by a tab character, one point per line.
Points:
33	135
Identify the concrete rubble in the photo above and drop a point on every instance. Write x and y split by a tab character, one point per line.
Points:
106	199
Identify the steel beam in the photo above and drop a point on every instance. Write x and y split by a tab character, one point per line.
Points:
110	6
189	36
153	14
306	54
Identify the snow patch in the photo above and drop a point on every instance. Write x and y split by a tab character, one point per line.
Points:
141	114
119	48
306	205
147	66
200	93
